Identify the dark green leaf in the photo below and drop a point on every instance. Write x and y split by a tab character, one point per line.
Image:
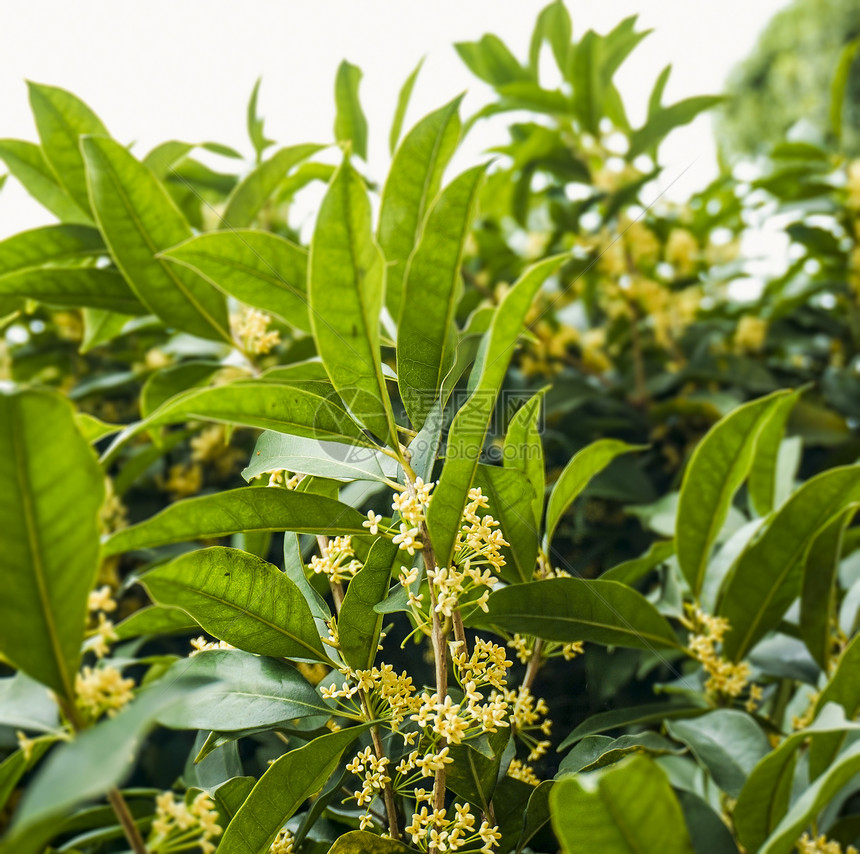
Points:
631	571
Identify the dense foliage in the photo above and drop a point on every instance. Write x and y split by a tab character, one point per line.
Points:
504	511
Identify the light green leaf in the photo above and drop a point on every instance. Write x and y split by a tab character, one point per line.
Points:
714	473
840	85
364	842
585	74
492	61
261	269
277	452
402	104
412	184
255	123
154	620
288	782
358	624
554	26
166	383
574	609
250	195
51	538
346	284
62	119
590	461
666	119
93	429
73	287
249	691
598	751
238	510
49	244
28	165
294	567
241	599
523	449
26	705
101	326
727	742
138	219
469	428
767	576
427	336
350	125
818	588
630	809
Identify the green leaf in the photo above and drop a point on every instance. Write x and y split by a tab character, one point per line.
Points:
655	101
51	538
13	768
294	567
716	470
767	577
153	620
727	742
818	589
598	751
241	599
814	799
537	813
255	123
138	219
260	269
469	428
523	449
633	716
474	773
350	125
277	452
73	287
364	842
632	571
164	384
628	810
510	494
238	510
574	609
492	61
402	104
250	195
26	161
249	691
26	705
427	335
288	782
576	475
666	119
346	285
358	624
412	184
585	74
554	26
101	326
62	119
48	245
94	429
840	85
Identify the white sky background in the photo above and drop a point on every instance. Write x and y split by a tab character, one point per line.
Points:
176	69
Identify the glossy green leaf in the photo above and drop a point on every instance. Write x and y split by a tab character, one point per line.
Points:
427	336
62	119
255	123
474	773
94	429
294	567
574	609
250	195
51	538
763	469
26	705
27	163
523	450
402	104
49	244
364	842
346	285
590	461
173	380
632	571
714	473
665	120
248	691
585	74
510	495
238	510
276	452
630	809
412	184
350	124
358	624
263	270
818	588
154	620
73	287
598	751
767	577
288	782
138	219
240	599
469	428
727	742
101	326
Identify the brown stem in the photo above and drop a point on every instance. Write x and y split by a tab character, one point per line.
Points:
459	631
387	791
130	829
535	663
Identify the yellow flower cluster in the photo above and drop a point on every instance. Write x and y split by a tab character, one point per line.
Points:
707	632
412	506
338	562
283	844
251	330
526	712
373	771
211	446
852	175
113	514
281	477
200	644
750	334
185	825
520	771
523	647
391	695
821	845
102	689
182	481
431	828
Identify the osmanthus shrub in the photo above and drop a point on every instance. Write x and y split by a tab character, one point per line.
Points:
365	647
